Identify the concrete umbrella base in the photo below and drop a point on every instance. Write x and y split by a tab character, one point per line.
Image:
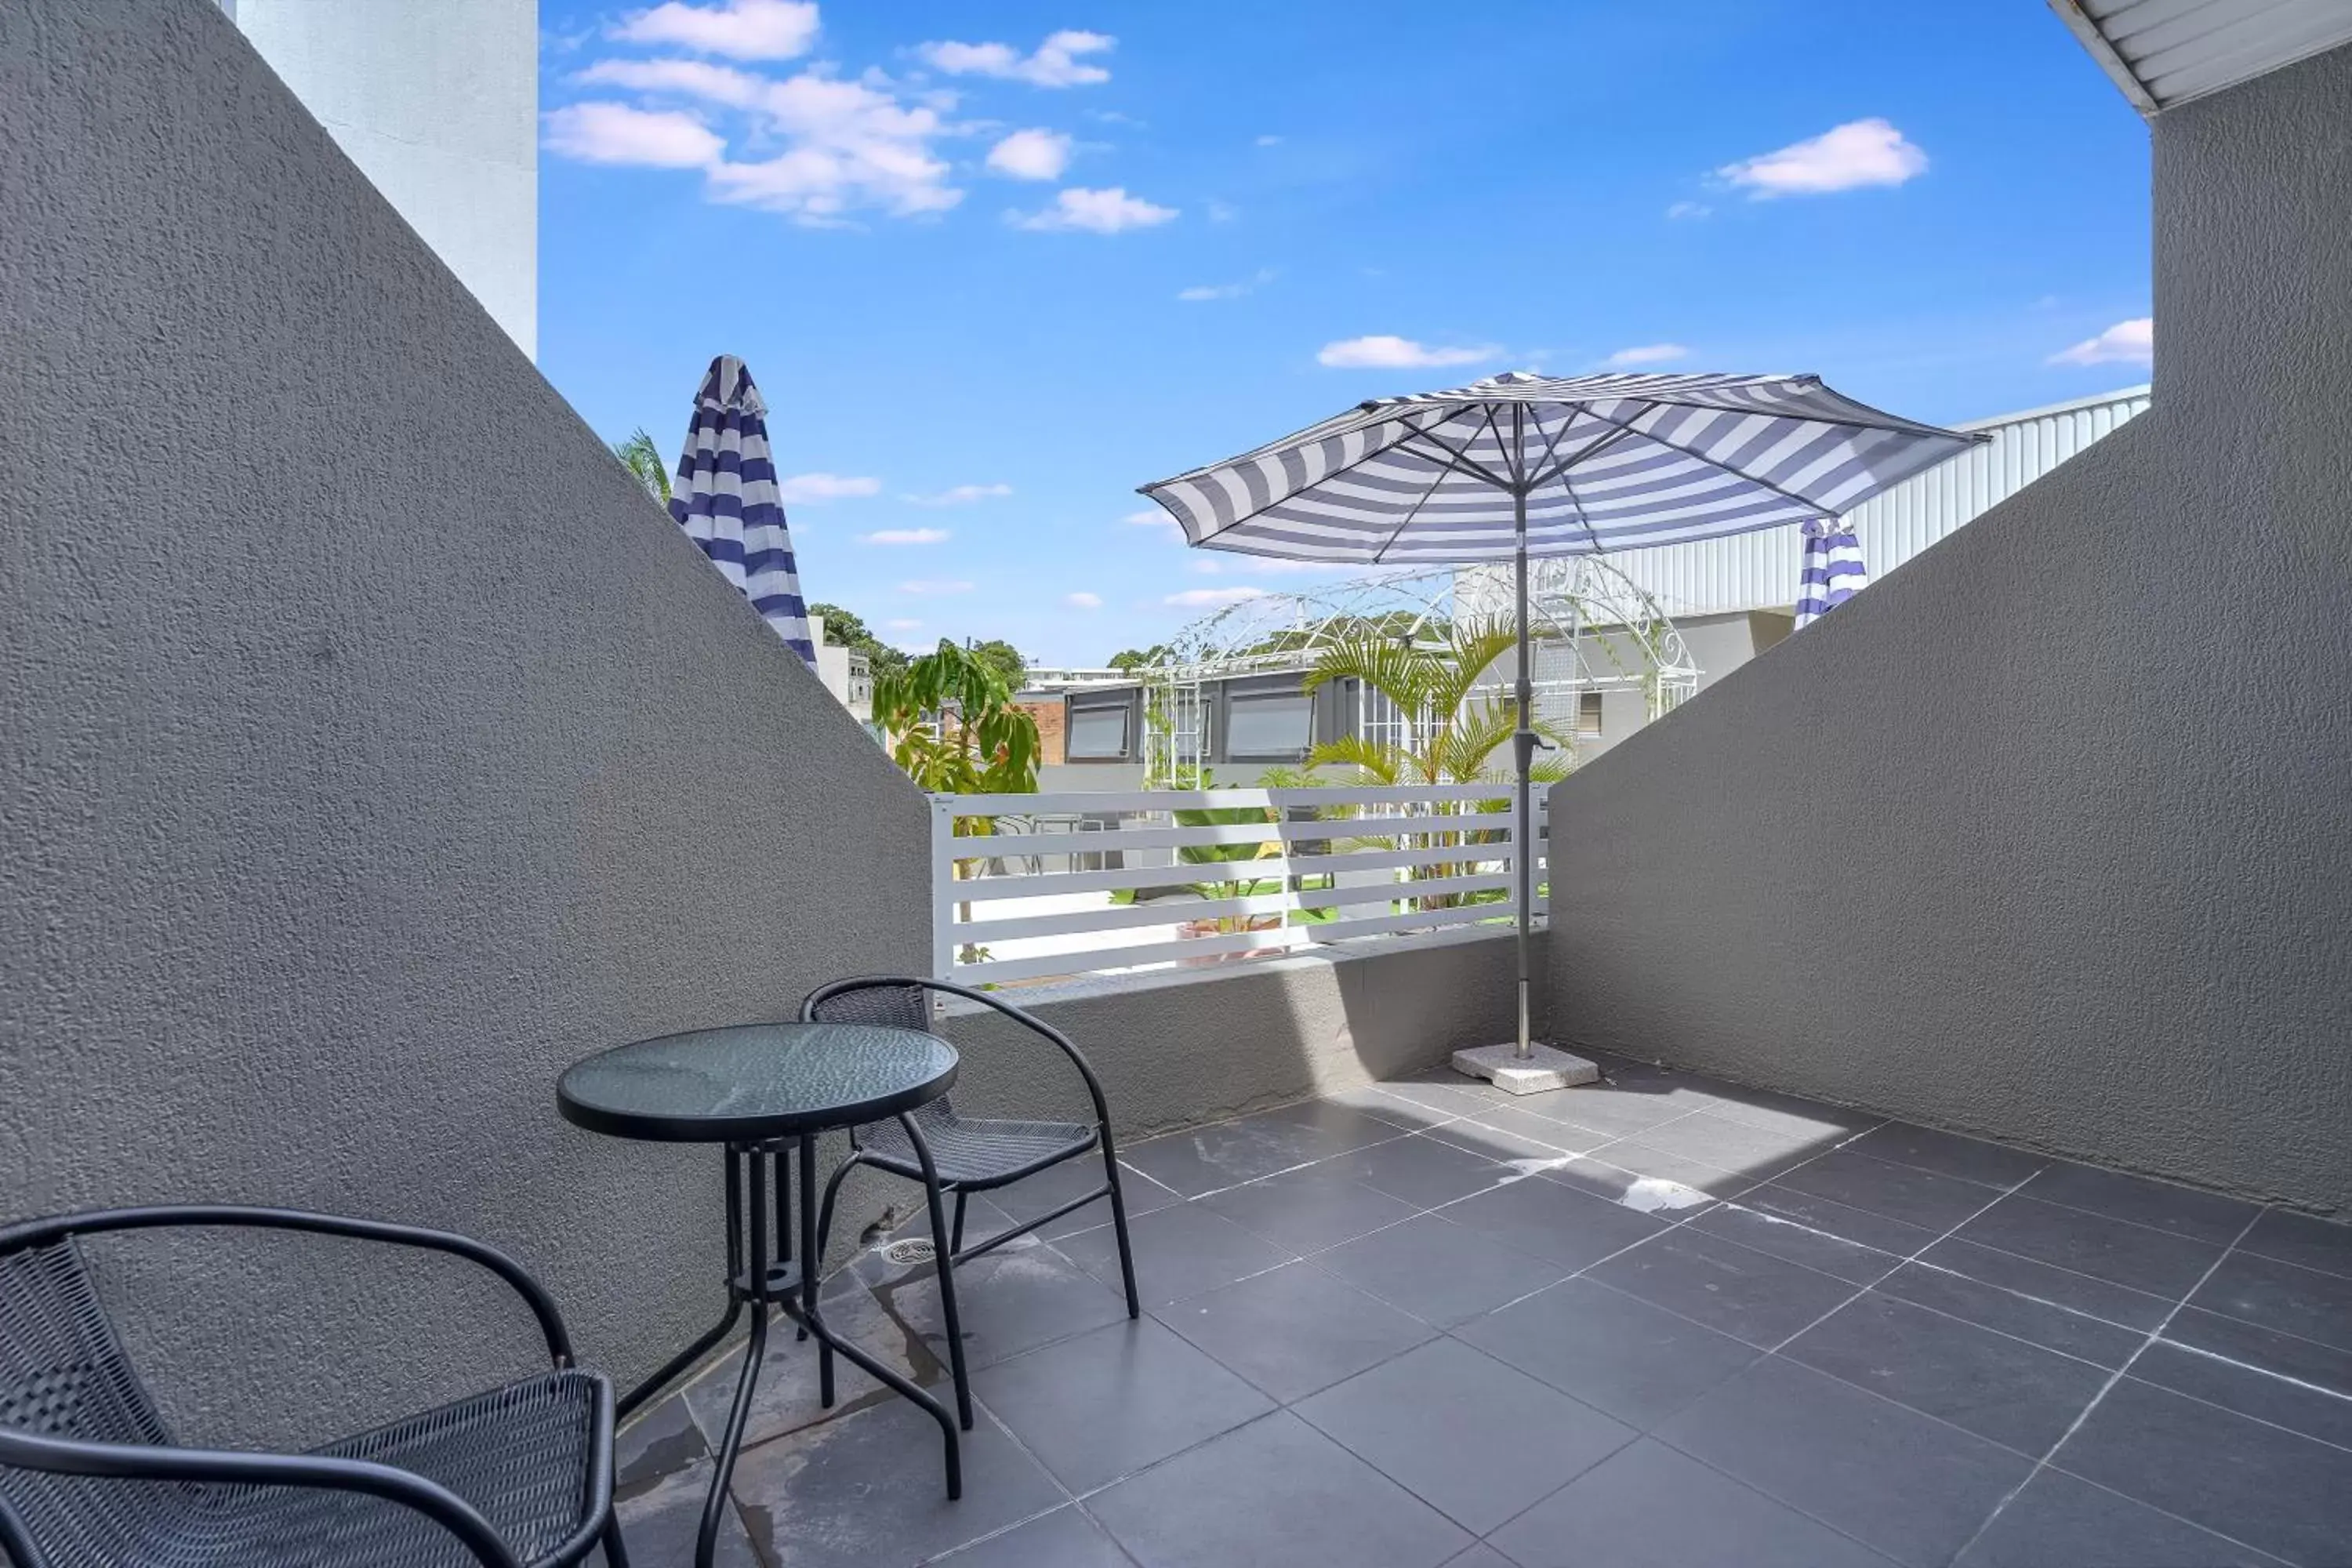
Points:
1547	1067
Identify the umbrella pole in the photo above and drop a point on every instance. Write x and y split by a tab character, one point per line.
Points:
1523	743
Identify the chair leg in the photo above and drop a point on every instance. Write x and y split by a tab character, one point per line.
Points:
1118	1224
825	1244
950	1319
616	1553
955	1243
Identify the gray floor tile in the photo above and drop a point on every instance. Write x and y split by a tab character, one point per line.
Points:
1650	1507
1998	1387
2272	1490
1546	1220
1309	1210
1026	1295
1109	1403
1783	1112
1421	1170
1797	1242
2032	1309
2058	1522
662	1440
1737	1146
1621	1356
2323	1244
2282	1296
2162	1205
787	1396
1860	1225
1732	1288
1295	1328
1912	1487
1899	1192
1406	1112
869	1489
661	1524
1436	1270
1658	1165
1063	1539
1607	1109
2056	1282
1476	1439
1480	1556
1444	1093
1179	1252
1050	1189
1948	1154
1276	1491
2288	1381
1207	1159
1350	1122
1656	1195
1505	1134
2134	1255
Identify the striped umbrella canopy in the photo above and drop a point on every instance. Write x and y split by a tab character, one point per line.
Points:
1521	464
726	499
1832	572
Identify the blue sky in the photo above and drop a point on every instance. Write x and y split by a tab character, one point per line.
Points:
996	265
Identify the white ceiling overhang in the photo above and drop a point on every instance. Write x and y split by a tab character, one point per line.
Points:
2164	52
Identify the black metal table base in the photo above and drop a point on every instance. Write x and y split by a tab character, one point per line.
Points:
785	1277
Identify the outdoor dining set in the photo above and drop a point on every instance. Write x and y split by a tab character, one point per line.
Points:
522	1475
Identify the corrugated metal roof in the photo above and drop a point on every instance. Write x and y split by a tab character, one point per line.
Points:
2163	52
1759	570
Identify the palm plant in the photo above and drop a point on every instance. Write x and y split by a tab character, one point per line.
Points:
1448	737
643	458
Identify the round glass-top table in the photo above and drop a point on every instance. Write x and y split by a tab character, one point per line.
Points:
764	1091
755	1081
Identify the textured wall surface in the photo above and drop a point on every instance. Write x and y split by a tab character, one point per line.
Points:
2044	836
373	749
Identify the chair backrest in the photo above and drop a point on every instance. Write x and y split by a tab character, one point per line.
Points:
63	1374
894	1006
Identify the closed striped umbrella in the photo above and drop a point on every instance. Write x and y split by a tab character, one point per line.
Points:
1832	572
726	499
1520	465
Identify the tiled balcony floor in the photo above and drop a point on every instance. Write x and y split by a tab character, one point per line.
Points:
1661	1320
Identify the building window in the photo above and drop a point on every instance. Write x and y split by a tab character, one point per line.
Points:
1587	713
1097	735
1278	725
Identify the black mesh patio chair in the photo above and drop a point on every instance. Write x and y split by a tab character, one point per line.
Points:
520	1477
966	1154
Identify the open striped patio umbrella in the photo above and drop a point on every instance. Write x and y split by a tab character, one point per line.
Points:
1520	465
1832	572
726	499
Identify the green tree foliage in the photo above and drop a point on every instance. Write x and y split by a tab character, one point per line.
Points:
843	628
1134	659
954	729
643	460
1005	659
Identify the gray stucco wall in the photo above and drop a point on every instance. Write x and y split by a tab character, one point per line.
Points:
373	749
2042	835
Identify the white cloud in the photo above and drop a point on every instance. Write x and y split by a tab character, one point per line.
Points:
962	495
906	536
1152	517
695	78
1030	155
617	133
1646	353
1201	291
1681	210
1054	63
1208	565
902	626
1083	601
744	29
1210	598
2126	343
825	487
848	144
1384	352
1846	157
934	586
1096	212
1222	212
1269	140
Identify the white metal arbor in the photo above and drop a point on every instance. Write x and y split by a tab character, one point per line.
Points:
1593	629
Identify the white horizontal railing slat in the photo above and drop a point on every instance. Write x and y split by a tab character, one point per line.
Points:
1348	855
